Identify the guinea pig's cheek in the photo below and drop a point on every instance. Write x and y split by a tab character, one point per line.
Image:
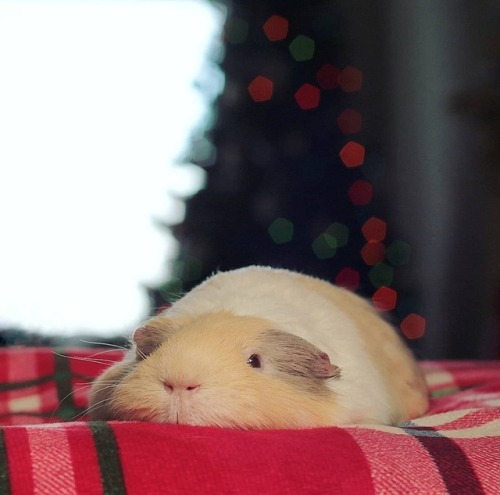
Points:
136	400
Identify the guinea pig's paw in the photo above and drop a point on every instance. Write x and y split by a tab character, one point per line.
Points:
152	334
294	355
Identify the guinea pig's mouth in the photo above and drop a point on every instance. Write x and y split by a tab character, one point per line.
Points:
184	419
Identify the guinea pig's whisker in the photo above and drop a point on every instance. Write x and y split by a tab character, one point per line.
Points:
141	354
86	359
89	409
107	344
85	385
105	351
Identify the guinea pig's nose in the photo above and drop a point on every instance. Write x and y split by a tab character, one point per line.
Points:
171	387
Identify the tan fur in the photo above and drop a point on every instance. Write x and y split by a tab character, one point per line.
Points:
233	394
326	358
404	378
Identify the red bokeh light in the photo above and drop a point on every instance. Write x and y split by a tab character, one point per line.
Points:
348	278
327	76
349	121
360	192
352	154
385	298
350	79
261	89
413	326
276	28
374	229
307	96
373	252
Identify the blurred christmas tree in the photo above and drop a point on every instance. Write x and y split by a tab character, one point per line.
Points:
288	181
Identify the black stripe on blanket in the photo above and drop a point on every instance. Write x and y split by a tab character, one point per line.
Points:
66	408
108	458
455	469
4	467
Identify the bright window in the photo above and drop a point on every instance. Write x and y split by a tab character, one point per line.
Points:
97	103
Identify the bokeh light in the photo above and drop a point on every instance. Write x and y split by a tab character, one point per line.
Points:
374	229
236	30
302	48
326	83
373	252
340	232
324	246
261	89
349	121
327	76
281	231
276	28
307	96
352	154
398	253
360	192
381	274
385	299
348	278
413	326
350	79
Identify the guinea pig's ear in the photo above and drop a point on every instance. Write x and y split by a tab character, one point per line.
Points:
151	335
296	356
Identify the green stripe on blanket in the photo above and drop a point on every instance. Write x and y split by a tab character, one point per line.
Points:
4	467
66	408
108	458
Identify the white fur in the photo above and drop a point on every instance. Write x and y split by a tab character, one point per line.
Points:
276	295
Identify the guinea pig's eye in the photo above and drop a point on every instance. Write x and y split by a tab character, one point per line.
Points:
254	361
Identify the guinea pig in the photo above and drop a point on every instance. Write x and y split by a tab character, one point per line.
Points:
259	348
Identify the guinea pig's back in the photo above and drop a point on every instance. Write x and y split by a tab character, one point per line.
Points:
314	310
393	359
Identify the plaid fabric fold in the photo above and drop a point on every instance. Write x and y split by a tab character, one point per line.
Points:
455	448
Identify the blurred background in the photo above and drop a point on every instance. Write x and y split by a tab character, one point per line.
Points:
352	140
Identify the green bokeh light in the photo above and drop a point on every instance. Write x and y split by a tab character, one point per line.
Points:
302	48
281	231
324	246
340	232
236	30
381	274
398	253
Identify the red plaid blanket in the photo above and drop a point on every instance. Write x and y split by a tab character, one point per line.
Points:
455	448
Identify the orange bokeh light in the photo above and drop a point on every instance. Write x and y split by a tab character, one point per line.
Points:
360	192
261	89
328	76
349	121
374	229
385	298
307	96
348	278
350	79
413	326
373	252
352	154
276	28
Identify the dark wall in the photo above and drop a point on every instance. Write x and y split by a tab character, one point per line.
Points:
278	189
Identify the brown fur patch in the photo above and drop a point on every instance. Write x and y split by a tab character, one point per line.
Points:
305	364
151	335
